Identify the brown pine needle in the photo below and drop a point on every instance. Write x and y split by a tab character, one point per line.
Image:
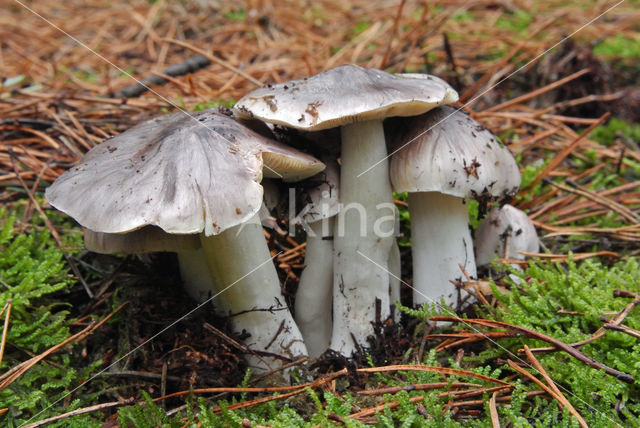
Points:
375	409
566	151
539	91
616	320
541	336
606	202
422	368
295	388
5	328
9	377
495	421
535	380
534	361
416	387
82	411
502	399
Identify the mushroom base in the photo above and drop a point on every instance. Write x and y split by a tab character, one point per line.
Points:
248	288
441	242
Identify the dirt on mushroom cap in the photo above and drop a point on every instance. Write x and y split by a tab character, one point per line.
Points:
344	95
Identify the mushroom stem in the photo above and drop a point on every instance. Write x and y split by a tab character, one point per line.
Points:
440	241
363	236
395	272
196	278
249	288
313	298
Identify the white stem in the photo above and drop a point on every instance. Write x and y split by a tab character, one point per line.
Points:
363	236
246	278
313	298
196	278
440	241
395	270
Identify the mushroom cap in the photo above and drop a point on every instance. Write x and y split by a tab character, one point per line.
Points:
446	151
185	173
323	199
500	224
144	240
344	95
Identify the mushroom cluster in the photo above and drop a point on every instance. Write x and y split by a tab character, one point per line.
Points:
191	184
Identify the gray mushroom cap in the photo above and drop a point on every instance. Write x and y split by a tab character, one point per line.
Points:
343	95
183	173
446	151
502	224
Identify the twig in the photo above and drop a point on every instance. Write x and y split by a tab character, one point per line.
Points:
233	343
215	59
191	64
620	327
540	336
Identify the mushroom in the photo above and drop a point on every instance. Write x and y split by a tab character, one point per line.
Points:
503	233
197	174
313	298
194	271
442	157
357	100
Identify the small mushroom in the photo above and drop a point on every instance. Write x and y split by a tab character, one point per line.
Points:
443	157
313	298
503	233
357	100
197	174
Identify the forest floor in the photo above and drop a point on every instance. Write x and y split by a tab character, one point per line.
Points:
556	81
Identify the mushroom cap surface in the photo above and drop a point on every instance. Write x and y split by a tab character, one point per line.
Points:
501	224
185	173
344	95
446	151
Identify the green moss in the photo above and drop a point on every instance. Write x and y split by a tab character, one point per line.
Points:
360	27
35	280
618	46
518	21
214	103
236	15
616	128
